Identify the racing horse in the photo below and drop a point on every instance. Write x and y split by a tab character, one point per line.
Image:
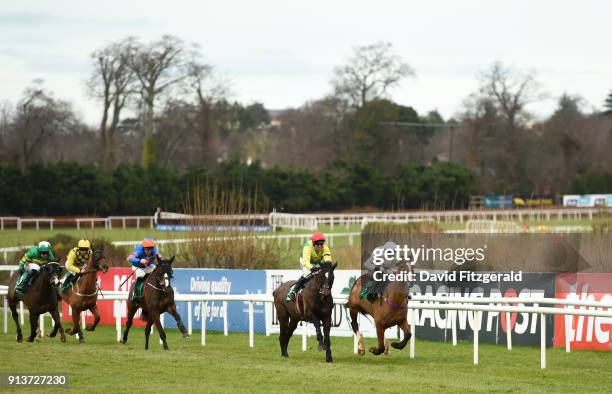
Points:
157	298
82	296
314	303
40	298
387	309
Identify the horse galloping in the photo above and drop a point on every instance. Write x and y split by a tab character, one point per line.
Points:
157	298
388	309
83	294
313	304
40	298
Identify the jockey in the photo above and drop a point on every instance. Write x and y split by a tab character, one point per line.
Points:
313	253
75	262
30	263
143	262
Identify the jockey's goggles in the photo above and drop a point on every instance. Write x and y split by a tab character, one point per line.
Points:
83	250
318	243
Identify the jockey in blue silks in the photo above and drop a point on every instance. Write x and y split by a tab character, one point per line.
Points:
143	260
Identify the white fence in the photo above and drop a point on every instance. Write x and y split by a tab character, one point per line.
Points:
311	221
418	302
18	223
458	216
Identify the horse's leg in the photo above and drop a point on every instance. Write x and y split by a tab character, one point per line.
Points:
406	329
130	317
33	325
15	314
283	322
53	332
317	325
355	326
292	326
57	325
94	311
380	333
326	328
148	332
172	311
76	314
162	332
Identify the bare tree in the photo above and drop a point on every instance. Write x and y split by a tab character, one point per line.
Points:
159	67
112	82
510	90
369	74
39	116
208	91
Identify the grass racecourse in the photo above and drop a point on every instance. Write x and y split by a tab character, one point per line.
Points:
227	364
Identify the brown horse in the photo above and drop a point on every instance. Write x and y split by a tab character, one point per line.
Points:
82	296
158	297
314	304
41	297
388	310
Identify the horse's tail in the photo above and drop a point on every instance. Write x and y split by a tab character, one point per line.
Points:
144	315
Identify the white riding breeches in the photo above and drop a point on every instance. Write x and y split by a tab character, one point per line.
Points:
32	267
141	272
305	270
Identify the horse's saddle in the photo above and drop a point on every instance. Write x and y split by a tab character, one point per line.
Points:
371	289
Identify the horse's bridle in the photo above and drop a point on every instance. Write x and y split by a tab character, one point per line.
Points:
163	280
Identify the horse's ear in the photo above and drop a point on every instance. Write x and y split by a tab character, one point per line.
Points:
171	260
334	266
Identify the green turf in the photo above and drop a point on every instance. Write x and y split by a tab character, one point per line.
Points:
227	364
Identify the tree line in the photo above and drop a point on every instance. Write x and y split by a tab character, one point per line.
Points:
165	110
83	189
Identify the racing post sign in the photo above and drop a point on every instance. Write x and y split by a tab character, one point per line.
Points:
487	265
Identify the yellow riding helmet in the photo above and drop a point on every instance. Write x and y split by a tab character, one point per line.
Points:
83	243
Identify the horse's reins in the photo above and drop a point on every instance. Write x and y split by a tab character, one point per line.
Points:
98	289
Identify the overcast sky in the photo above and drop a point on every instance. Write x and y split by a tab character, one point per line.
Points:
282	53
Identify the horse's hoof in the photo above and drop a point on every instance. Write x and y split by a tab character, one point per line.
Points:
321	348
69	331
376	351
386	347
396	345
52	335
30	339
63	339
361	352
166	348
81	340
186	336
19	339
89	328
329	360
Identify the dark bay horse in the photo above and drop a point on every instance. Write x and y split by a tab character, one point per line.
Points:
388	310
83	295
315	303
40	298
158	297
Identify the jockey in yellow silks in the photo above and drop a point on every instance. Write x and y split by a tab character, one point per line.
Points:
314	252
76	261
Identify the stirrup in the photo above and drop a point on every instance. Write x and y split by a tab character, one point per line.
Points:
291	296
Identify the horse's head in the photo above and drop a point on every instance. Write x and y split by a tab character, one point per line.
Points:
98	261
324	278
51	272
164	273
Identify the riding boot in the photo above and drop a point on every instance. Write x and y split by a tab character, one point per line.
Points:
137	293
295	288
67	281
22	281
